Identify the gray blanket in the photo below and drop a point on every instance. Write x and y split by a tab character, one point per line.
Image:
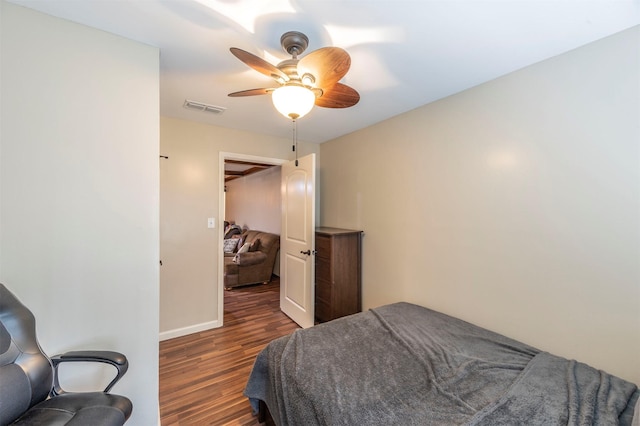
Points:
403	364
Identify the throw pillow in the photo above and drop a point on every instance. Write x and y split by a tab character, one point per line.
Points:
245	248
255	246
229	245
240	242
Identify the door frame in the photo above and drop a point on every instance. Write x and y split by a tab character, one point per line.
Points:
221	213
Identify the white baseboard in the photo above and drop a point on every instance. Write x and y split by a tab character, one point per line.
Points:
178	332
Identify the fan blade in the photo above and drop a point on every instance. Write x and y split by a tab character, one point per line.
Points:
259	64
251	92
327	65
338	96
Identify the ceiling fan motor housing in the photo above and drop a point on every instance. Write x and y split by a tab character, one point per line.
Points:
294	43
290	68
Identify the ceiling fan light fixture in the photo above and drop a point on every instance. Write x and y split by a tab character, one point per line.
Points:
293	101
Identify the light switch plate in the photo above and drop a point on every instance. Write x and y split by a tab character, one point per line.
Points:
211	222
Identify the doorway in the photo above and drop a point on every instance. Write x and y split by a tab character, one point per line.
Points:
237	159
252	196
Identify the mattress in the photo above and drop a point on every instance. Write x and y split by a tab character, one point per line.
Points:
403	364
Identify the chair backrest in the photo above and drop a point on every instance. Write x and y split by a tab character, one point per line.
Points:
26	374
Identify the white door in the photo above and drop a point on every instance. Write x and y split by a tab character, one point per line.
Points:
297	241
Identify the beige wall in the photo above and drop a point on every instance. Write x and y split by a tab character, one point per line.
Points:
79	191
514	205
254	201
190	192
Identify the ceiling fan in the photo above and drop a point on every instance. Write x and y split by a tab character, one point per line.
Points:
310	80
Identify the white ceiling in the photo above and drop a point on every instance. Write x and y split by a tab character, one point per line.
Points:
404	54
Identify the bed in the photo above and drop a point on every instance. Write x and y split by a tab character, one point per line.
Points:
402	364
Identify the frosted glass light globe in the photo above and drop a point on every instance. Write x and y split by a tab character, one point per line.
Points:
293	101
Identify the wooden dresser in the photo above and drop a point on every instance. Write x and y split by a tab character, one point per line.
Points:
338	273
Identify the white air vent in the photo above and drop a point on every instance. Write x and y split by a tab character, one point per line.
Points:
204	107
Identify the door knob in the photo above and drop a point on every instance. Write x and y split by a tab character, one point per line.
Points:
307	252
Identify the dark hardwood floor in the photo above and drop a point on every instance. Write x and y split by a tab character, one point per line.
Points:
202	375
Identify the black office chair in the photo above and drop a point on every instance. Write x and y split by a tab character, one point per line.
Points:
30	393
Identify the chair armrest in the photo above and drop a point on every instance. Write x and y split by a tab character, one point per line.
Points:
250	258
116	359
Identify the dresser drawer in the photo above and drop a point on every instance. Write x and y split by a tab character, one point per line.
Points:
323	246
323	269
323	290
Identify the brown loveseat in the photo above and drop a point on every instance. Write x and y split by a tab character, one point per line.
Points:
254	266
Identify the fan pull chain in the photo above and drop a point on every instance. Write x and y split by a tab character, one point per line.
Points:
294	147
